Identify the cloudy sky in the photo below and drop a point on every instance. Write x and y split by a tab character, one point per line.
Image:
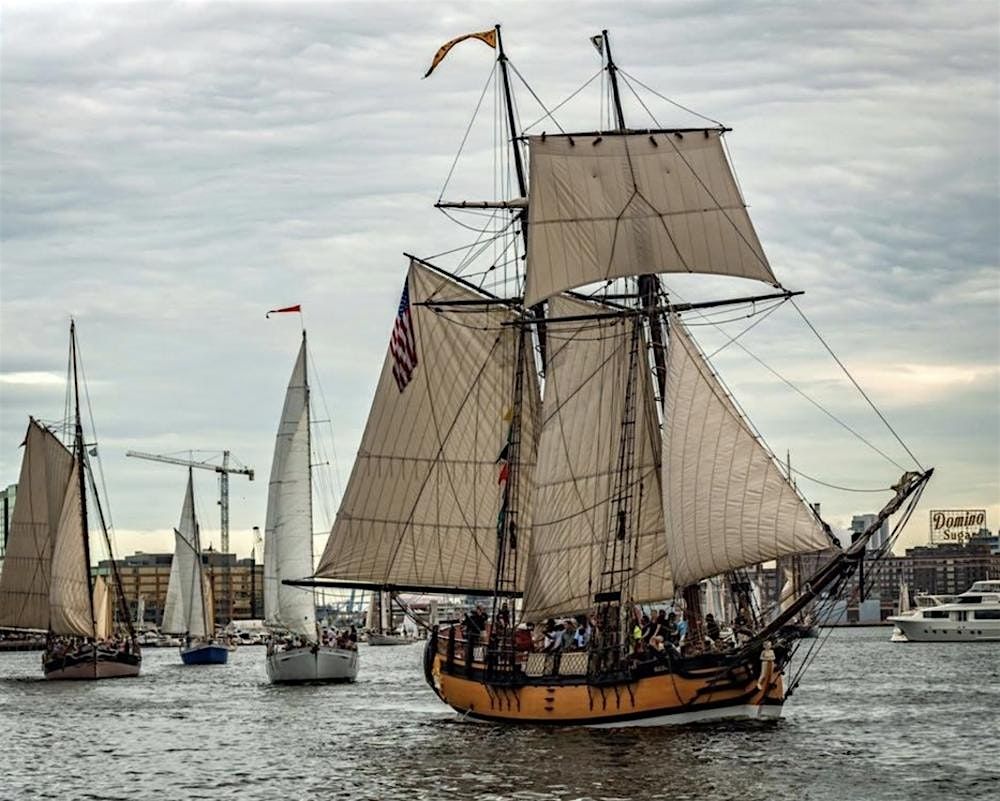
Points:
172	171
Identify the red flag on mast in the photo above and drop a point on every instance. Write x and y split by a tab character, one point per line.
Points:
296	308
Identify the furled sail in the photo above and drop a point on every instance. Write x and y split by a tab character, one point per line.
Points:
626	204
726	503
41	491
420	508
578	451
70	600
288	534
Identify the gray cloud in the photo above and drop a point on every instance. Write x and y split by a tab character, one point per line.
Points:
171	171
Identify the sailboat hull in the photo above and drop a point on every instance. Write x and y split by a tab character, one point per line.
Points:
663	695
205	654
312	664
374	638
93	666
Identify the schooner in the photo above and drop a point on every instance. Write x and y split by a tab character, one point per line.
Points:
575	456
47	583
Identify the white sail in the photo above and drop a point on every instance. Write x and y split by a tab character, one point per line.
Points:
726	503
288	534
103	617
270	585
174	619
41	491
578	453
70	600
208	601
904	598
184	612
617	205
420	508
787	594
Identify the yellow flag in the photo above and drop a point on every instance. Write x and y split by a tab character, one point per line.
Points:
489	37
508	415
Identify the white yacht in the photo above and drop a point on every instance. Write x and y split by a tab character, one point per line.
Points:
973	616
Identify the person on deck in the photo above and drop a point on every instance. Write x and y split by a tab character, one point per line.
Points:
475	625
712	630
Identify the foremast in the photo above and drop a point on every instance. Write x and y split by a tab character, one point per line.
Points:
80	456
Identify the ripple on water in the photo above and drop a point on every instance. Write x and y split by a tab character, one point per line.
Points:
872	720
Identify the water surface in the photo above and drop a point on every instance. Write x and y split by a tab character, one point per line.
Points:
871	720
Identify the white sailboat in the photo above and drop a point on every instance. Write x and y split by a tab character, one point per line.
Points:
46	583
189	609
288	552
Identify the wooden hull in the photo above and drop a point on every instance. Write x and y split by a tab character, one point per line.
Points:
93	666
665	695
312	664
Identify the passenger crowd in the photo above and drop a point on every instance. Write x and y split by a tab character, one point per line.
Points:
668	630
58	647
346	639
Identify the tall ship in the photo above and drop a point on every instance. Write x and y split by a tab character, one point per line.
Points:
296	653
189	608
547	435
47	583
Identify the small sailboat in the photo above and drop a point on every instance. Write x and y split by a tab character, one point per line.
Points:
380	630
46	583
189	609
298	654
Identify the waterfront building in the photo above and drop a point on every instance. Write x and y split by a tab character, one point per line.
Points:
860	523
237	584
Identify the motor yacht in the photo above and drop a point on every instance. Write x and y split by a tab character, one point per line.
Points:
973	616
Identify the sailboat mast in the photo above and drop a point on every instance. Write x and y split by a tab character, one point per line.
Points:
613	80
305	382
82	476
649	284
522	182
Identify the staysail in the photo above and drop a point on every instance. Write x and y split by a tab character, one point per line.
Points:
578	458
288	535
421	506
103	612
726	503
613	205
41	492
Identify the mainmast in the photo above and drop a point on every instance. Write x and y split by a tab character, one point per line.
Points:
522	184
649	284
305	385
81	473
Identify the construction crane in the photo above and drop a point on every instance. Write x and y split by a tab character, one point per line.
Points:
223	470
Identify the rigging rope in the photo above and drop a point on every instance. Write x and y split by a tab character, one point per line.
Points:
468	129
548	114
857	386
667	99
817	404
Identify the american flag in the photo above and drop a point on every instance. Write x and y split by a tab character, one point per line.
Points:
402	345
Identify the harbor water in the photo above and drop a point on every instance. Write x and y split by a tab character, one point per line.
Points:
871	720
